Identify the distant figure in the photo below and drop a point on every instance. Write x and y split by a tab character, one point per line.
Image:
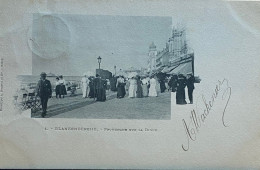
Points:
158	88
132	88
63	90
162	85
91	87
120	84
180	94
100	88
139	90
85	86
44	91
113	83
167	83
173	83
57	87
108	84
190	86
145	83
127	85
152	89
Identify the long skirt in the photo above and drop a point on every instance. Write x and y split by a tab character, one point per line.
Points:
132	91
101	94
139	91
91	92
153	90
145	90
84	90
180	96
57	90
162	87
63	90
121	91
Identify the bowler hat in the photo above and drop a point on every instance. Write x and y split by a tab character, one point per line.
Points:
43	73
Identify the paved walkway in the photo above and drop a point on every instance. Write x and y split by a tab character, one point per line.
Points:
57	106
125	108
113	108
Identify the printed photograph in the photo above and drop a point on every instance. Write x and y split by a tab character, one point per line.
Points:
107	67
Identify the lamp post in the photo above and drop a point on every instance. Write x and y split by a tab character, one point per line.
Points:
99	61
115	70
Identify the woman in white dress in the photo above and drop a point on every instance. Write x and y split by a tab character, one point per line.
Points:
158	88
85	86
132	87
152	89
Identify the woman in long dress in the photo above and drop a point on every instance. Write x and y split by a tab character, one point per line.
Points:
152	89
57	87
158	88
120	84
100	88
139	90
162	85
91	87
145	86
63	90
127	85
132	88
85	86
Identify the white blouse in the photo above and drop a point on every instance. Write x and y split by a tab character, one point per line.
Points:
62	81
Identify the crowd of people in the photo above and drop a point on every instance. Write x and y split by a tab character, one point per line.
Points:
178	83
134	87
139	87
94	87
151	86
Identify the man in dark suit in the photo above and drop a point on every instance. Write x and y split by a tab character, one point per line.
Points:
180	93
44	91
100	88
190	86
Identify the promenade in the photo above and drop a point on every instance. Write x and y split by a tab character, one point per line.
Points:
112	108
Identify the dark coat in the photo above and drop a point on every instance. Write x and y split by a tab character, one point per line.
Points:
100	89
44	88
190	82
180	94
173	83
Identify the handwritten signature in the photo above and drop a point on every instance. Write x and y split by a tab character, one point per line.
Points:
196	120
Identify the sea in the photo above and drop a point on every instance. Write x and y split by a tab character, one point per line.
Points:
32	80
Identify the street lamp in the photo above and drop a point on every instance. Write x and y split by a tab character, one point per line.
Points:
115	70
99	61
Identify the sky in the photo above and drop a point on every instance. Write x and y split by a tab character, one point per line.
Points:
78	40
220	37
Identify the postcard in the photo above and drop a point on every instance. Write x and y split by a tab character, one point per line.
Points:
130	84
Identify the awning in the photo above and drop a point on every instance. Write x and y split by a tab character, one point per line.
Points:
183	69
168	69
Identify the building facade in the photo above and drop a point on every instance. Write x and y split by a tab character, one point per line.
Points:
152	58
174	53
177	44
